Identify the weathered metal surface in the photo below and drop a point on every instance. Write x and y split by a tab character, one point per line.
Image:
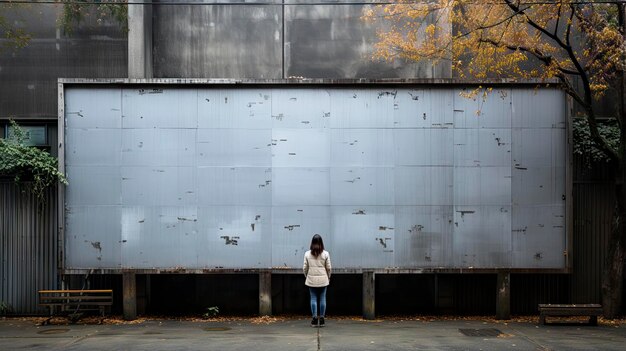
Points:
217	41
332	41
29	75
273	41
337	82
298	271
28	243
409	177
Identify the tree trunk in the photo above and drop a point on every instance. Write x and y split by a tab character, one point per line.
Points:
613	275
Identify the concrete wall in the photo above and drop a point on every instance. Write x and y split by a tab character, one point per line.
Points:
272	41
217	41
28	76
199	41
333	41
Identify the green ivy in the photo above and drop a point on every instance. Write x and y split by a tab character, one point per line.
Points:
75	12
584	145
28	164
12	36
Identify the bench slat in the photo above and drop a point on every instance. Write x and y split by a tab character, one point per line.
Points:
75	291
588	305
78	304
77	298
572	313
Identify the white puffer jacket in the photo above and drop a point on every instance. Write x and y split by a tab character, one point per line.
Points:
317	269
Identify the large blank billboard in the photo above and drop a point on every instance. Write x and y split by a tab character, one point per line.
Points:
204	177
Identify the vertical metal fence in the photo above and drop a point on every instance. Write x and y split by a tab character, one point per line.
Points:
28	246
593	211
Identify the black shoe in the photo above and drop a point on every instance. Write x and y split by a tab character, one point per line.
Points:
314	322
321	321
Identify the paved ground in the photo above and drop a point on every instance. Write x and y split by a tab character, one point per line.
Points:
296	334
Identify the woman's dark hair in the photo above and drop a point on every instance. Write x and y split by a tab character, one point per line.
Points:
317	245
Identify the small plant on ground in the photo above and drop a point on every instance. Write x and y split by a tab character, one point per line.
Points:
212	311
4	308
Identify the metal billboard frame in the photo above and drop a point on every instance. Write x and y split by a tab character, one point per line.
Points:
63	83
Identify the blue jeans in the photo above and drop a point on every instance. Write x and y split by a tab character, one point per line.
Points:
318	294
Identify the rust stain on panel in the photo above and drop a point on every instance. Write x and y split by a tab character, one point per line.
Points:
416	228
230	240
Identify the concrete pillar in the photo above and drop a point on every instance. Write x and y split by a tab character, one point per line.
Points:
369	295
139	39
503	297
265	293
129	287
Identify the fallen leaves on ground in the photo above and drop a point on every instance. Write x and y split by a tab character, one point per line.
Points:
259	320
267	320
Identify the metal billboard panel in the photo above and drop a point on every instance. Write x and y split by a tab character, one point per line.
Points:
167	232
156	107
228	178
362	108
234	108
234	148
159	147
362	236
300	186
104	109
483	110
89	247
478	239
424	108
94	185
482	186
423	236
300	147
535	108
362	147
482	147
430	145
369	186
85	147
234	237
301	109
424	186
292	229
159	186
245	186
534	229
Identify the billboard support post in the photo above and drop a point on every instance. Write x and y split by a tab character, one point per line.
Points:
129	287
265	293
503	297
369	295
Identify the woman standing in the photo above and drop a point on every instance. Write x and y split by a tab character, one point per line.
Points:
317	272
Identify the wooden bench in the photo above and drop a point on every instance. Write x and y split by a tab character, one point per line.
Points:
591	310
73	303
